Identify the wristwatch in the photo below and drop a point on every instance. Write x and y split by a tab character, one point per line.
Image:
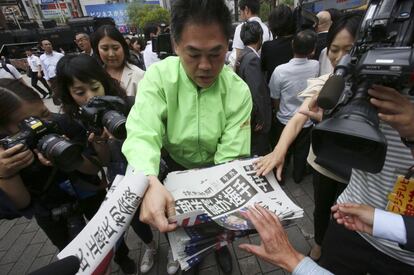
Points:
407	142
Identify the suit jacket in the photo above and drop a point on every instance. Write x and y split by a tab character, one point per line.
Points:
249	69
409	228
131	76
274	53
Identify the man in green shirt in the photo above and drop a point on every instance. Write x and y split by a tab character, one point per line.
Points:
192	105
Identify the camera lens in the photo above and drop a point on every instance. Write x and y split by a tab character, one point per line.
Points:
63	153
115	123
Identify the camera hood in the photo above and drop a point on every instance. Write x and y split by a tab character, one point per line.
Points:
350	142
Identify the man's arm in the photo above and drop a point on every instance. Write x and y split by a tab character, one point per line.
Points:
409	228
145	128
235	140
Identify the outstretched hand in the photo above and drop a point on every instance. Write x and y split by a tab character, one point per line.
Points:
275	247
355	217
266	164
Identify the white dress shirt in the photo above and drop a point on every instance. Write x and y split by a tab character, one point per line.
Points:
34	63
149	56
49	62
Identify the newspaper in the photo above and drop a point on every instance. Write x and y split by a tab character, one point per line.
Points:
209	203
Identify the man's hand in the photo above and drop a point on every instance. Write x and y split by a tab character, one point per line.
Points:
266	164
355	217
157	205
395	109
14	159
275	247
312	110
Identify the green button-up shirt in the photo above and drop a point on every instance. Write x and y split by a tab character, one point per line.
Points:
198	127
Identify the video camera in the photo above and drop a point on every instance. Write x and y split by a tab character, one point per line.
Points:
382	54
161	44
105	111
37	134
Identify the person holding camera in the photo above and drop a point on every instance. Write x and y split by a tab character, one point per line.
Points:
114	54
43	174
327	185
81	80
151	30
192	106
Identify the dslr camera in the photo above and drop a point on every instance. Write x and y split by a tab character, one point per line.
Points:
349	136
105	111
38	134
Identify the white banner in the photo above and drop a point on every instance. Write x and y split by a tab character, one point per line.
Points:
97	240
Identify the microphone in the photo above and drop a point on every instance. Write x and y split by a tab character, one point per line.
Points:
334	86
66	266
331	92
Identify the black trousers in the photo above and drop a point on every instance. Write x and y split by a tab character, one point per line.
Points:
259	144
35	79
326	191
299	150
346	252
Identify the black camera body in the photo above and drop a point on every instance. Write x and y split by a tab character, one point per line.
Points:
162	44
38	134
105	111
349	136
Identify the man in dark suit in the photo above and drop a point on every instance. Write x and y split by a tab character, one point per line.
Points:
322	29
248	67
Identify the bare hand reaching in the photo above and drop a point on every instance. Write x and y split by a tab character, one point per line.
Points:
355	217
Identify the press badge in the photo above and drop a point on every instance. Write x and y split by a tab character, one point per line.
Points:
401	199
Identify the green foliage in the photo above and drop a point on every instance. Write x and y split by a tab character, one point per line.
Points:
140	14
265	8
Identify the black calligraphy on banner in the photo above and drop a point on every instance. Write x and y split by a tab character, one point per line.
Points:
260	181
237	193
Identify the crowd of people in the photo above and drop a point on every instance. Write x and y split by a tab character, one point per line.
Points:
202	107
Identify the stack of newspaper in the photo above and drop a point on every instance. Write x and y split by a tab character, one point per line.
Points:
209	203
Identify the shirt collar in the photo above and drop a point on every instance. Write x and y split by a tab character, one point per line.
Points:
297	60
253	49
255	18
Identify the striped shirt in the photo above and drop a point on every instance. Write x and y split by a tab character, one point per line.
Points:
373	189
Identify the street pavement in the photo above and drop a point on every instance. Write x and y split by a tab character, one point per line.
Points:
24	247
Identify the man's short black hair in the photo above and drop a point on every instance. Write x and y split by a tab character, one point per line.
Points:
251	33
201	12
253	5
148	29
304	42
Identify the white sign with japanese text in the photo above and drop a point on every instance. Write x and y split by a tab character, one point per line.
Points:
98	238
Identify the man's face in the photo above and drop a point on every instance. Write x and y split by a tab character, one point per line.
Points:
202	50
47	46
29	53
83	42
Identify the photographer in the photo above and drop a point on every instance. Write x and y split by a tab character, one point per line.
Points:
32	185
192	106
81	78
